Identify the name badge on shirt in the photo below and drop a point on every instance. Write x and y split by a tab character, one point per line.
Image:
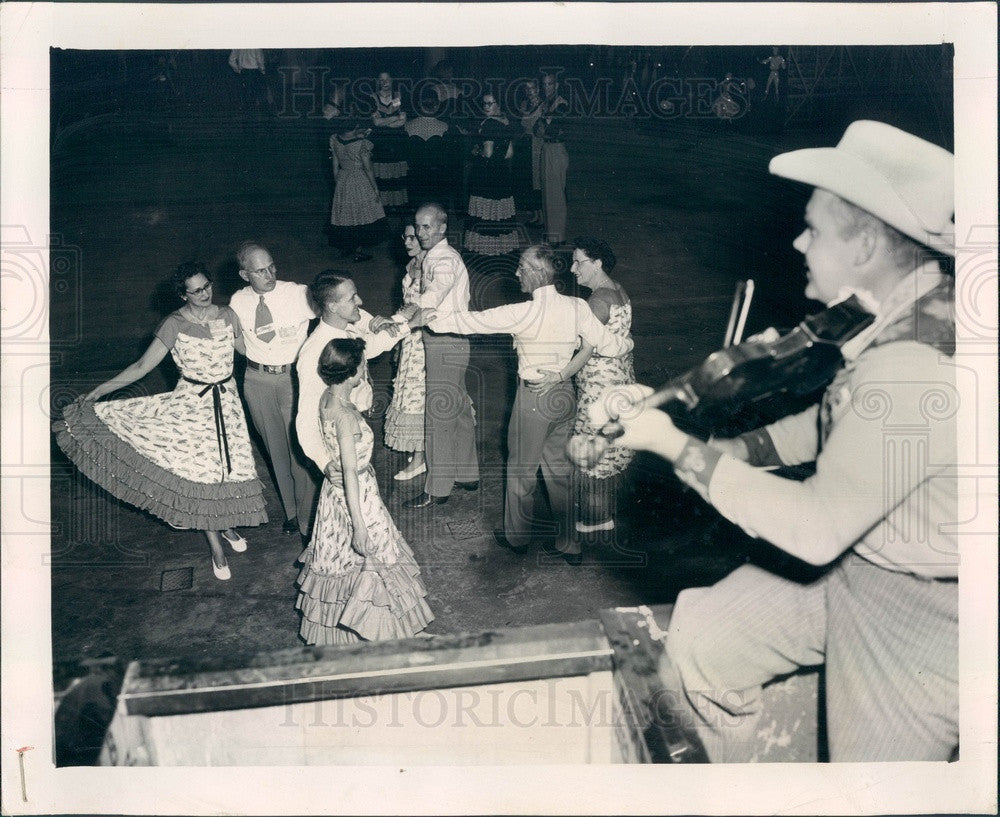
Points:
288	332
217	327
267	328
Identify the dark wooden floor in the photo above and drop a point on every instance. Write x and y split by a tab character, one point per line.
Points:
687	206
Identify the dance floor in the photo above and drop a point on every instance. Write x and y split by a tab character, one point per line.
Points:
689	209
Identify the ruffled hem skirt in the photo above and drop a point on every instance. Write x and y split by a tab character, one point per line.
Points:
123	472
372	602
492	238
403	431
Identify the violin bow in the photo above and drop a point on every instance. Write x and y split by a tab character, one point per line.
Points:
738	313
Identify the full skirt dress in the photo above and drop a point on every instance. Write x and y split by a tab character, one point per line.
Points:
404	419
492	229
597	375
345	597
183	456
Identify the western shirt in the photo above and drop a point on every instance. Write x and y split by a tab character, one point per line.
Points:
546	330
446	280
885	445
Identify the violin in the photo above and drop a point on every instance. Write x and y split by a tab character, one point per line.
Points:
727	381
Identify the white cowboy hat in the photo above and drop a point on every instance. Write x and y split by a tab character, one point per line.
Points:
905	181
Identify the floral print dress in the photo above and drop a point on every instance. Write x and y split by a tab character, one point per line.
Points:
404	420
183	455
345	597
596	375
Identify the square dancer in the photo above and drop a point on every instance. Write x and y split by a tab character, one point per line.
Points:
275	318
449	424
547	332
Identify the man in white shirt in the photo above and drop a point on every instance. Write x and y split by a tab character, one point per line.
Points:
334	293
547	331
449	422
275	318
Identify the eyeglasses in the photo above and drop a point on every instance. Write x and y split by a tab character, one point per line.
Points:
200	290
268	270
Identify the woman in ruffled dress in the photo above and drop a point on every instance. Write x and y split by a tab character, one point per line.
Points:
183	456
388	119
593	261
492	230
357	212
404	420
359	580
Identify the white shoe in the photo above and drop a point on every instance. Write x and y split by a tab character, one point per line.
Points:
239	544
222	573
410	473
607	524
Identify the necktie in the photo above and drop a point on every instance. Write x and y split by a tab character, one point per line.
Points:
263	326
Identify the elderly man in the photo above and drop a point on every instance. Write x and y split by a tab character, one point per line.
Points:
449	423
341	316
547	331
275	317
880	510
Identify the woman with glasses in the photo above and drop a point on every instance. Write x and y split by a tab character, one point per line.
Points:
404	420
593	263
492	230
183	456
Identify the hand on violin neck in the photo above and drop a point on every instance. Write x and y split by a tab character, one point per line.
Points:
769	335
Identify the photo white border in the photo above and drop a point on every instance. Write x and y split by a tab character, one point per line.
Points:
969	785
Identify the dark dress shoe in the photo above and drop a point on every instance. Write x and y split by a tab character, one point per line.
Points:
468	486
574	559
290	526
502	541
423	499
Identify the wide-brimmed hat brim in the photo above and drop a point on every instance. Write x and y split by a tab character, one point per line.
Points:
861	183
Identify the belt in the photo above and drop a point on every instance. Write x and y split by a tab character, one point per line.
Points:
554	141
220	421
268	368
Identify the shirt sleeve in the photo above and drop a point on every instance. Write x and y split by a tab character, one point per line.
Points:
377	343
311	388
168	329
501	320
605	343
438	284
303	308
864	472
795	439
230	317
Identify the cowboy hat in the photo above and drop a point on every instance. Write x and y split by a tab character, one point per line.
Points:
905	181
